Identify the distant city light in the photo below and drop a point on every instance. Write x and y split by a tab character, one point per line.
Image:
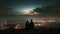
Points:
37	24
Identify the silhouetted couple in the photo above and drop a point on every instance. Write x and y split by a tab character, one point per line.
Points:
29	25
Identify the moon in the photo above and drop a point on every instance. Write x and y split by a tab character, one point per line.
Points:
28	11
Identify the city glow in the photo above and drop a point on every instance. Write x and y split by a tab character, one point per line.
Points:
43	21
37	24
17	26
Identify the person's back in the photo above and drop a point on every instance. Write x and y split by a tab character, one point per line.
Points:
27	25
31	24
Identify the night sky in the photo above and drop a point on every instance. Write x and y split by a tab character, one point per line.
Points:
19	9
18	6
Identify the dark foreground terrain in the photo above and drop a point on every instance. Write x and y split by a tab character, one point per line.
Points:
30	31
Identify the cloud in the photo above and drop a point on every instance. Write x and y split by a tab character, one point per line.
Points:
32	13
7	12
52	10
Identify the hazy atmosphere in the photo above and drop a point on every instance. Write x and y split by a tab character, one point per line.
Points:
23	10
